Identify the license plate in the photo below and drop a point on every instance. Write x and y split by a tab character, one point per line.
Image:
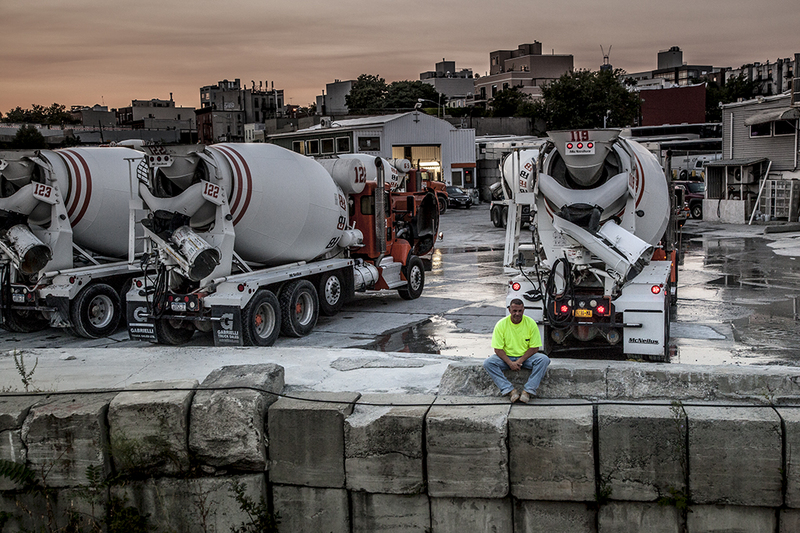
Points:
583	313
178	306
18	298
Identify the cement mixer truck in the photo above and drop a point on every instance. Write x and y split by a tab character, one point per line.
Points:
249	241
599	275
67	240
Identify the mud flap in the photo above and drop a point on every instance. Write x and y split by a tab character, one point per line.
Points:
141	325
60	317
227	324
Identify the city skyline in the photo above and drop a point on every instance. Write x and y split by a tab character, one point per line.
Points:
87	52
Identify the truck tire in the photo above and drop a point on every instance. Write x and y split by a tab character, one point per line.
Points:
496	218
331	290
505	216
261	319
96	311
414	271
697	211
299	308
24	321
173	332
683	175
442	204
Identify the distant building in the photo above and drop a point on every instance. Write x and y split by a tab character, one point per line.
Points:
456	85
95	116
226	107
675	105
772	78
526	68
672	70
157	114
333	101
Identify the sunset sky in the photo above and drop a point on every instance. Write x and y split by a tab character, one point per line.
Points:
86	52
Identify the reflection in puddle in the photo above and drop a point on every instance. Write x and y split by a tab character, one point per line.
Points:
418	338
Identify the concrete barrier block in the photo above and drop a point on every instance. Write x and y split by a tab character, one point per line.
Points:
149	430
553	517
633	381
564	379
730	519
789	521
67	434
198	504
390	512
642	450
311	509
306	438
384	445
13	411
457	515
227	428
551	452
467	447
735	455
11	449
791	422
633	517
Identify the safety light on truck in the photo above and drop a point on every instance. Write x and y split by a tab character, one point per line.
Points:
516	286
655	289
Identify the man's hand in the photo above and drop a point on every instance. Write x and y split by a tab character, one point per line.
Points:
514	365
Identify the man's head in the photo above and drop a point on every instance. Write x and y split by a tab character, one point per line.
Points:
516	309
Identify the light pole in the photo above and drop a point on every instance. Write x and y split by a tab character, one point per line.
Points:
438	104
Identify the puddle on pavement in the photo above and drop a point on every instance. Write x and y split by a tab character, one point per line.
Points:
419	338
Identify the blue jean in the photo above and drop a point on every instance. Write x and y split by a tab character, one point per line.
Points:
537	364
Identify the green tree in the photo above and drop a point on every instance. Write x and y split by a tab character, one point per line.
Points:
28	137
581	99
367	95
734	88
38	114
404	95
510	103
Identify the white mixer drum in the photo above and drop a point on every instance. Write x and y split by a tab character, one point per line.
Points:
95	183
285	206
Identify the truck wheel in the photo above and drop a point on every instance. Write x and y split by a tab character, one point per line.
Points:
331	293
442	204
505	216
24	321
414	272
96	311
261	319
173	332
697	211
299	308
496	220
683	175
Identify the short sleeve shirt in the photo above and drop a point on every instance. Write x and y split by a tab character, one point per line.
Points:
515	339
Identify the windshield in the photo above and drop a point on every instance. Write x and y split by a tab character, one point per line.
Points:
454	190
698	187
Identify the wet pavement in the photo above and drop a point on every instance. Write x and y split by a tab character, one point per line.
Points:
738	302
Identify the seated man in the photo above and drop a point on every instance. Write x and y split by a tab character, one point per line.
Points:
516	344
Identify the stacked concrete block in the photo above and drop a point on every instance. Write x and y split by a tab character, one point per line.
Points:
187	505
789	520
227	427
65	435
551	452
791	424
468	448
631	517
51	510
554	517
458	515
735	456
390	512
13	411
311	509
643	454
384	444
306	438
730	519
149	430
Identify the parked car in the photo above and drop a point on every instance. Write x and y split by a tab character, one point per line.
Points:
693	193
458	197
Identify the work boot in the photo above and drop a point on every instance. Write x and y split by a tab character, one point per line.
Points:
514	396
525	397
